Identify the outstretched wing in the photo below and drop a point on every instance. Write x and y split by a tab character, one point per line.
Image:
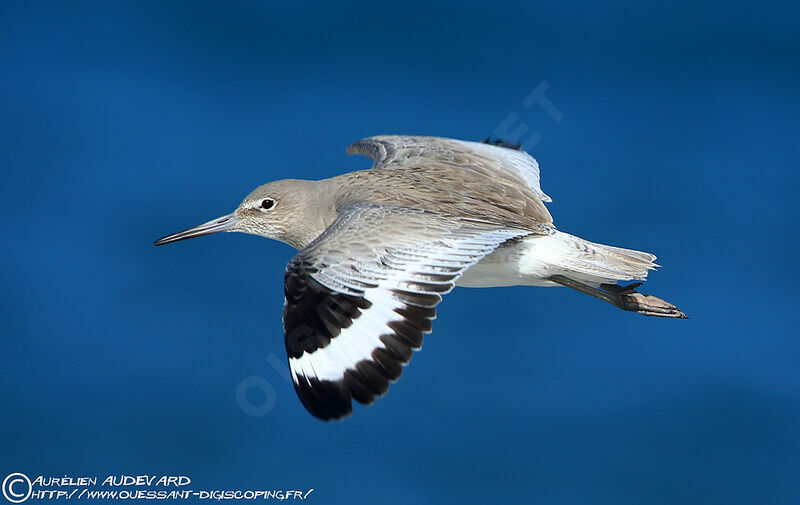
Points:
390	151
360	297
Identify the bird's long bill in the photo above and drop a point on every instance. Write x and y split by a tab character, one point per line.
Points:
224	223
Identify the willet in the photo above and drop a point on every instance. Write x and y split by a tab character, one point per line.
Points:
379	248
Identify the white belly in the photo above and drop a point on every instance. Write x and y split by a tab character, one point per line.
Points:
512	265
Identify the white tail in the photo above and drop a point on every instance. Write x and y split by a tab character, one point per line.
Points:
574	257
534	259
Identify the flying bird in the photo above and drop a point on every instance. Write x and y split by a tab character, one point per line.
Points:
379	248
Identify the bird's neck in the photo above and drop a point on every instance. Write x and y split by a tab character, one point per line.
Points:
318	196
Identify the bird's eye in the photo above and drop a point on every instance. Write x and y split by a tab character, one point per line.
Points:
267	203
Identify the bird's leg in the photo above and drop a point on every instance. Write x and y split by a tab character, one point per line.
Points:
624	297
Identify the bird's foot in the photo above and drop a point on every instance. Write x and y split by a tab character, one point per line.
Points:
627	298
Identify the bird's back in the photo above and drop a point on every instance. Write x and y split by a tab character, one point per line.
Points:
448	190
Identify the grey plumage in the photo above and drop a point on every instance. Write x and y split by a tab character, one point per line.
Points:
380	247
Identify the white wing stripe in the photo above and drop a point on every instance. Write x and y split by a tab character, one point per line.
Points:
358	341
353	344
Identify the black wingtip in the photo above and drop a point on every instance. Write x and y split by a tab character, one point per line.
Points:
501	143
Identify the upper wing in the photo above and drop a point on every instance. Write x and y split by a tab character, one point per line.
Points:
360	297
494	161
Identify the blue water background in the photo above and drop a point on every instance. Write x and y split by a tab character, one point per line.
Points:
677	133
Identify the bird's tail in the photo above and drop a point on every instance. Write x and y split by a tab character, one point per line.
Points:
589	262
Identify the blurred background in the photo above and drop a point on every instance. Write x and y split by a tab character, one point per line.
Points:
671	128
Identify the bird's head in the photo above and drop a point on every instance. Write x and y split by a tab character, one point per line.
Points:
278	210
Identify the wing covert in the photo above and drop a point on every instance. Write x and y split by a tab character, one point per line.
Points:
389	151
361	296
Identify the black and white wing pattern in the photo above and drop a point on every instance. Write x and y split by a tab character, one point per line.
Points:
360	297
